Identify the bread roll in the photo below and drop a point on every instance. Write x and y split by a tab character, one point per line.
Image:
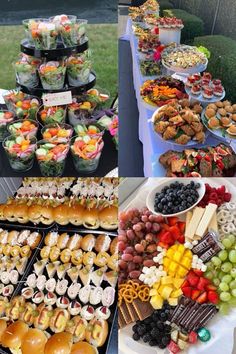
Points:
76	214
102	259
12	238
34	213
58	320
102	243
113	262
114	246
59	343
83	348
97	331
80	328
13	335
108	218
91	218
3	326
89	258
34	239
21	213
2	216
61	214
10	212
47	216
88	242
34	342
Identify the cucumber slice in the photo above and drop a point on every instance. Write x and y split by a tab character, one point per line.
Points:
86	139
48	146
41	152
19	140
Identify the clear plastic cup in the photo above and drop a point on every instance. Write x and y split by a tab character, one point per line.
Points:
52	75
78	71
15	128
63	19
27	108
81	110
6	117
43	33
20	160
49	115
50	134
26	23
92	129
74	33
27	72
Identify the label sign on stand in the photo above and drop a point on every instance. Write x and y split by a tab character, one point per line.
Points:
57	99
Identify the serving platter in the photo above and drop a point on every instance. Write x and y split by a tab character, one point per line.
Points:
202	99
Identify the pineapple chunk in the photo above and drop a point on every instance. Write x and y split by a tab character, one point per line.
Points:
161	289
166	280
177	282
176	293
173	301
156	302
153	292
165	293
182	344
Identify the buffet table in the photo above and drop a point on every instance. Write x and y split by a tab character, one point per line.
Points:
153	146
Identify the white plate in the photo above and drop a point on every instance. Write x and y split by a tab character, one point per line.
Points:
222	328
200	97
159	186
190	71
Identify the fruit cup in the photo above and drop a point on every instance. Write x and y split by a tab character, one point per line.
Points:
81	110
48	115
12	98
20	152
52	75
57	133
86	152
26	70
43	33
23	127
6	117
78	70
92	130
51	158
73	33
27	107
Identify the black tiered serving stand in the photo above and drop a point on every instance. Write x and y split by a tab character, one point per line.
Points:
55	54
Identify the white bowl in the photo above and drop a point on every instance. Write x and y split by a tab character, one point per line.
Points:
151	195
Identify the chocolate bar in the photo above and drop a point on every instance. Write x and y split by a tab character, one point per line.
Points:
206	318
207	247
143	309
183	302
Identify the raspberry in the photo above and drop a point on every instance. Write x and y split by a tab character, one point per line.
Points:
227	197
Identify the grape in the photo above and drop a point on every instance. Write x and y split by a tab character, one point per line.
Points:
227	243
216	261
149	237
223	255
148	263
225	296
151	248
209	275
148	225
210	266
127	257
156	227
224	287
226	267
138	259
233	272
129	250
131	266
221	275
233	292
152	218
135	274
231	238
144	218
232	302
226	278
232	256
137	227
232	284
139	248
224	308
130	235
216	282
121	246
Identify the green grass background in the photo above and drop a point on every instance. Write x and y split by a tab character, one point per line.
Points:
102	42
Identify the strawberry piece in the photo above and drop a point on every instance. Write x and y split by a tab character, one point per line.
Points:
203	282
192	337
173	347
167	238
227	197
172	221
175	232
211	287
163	245
187	291
192	279
185	284
181	226
202	298
198	272
213	297
165	227
181	239
195	294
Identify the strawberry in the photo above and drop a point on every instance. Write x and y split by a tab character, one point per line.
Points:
175	232
167	238
203	282
165	227
173	347
195	294
202	298
163	245
192	279
181	226
213	297
198	272
227	197
172	221
181	239
211	287
192	337
185	284
187	291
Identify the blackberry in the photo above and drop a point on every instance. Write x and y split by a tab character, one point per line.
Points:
147	337
141	330
165	340
162	346
163	316
136	336
155	332
153	343
134	328
153	324
167	328
160	325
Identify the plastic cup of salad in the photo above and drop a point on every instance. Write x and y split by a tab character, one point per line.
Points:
6	117
98	95
73	33
43	33
86	152
26	69
12	97
57	133
48	115
81	110
29	24
52	75
63	20
90	129
23	127
78	70
20	152
27	108
51	158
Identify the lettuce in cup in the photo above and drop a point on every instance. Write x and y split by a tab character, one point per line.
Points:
55	114
78	70
26	70
6	117
43	33
52	75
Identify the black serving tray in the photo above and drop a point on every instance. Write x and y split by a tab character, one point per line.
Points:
29	225
111	321
75	90
60	51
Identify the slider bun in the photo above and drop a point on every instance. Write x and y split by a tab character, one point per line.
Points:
34	342
3	326
88	242
114	246
96	333
59	343
13	335
34	213
210	112
21	213
76	214
61	214
9	212
91	218
102	243
83	348
47	215
109	218
2	207
219	104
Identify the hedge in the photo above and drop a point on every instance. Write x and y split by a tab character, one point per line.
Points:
165	4
222	63
193	25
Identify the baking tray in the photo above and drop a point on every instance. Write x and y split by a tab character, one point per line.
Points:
111	321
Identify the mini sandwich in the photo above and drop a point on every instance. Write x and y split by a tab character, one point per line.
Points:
76	214
21	213
13	335
34	342
61	214
91	218
232	130
10	212
44	315
108	218
59	343
59	320
97	331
